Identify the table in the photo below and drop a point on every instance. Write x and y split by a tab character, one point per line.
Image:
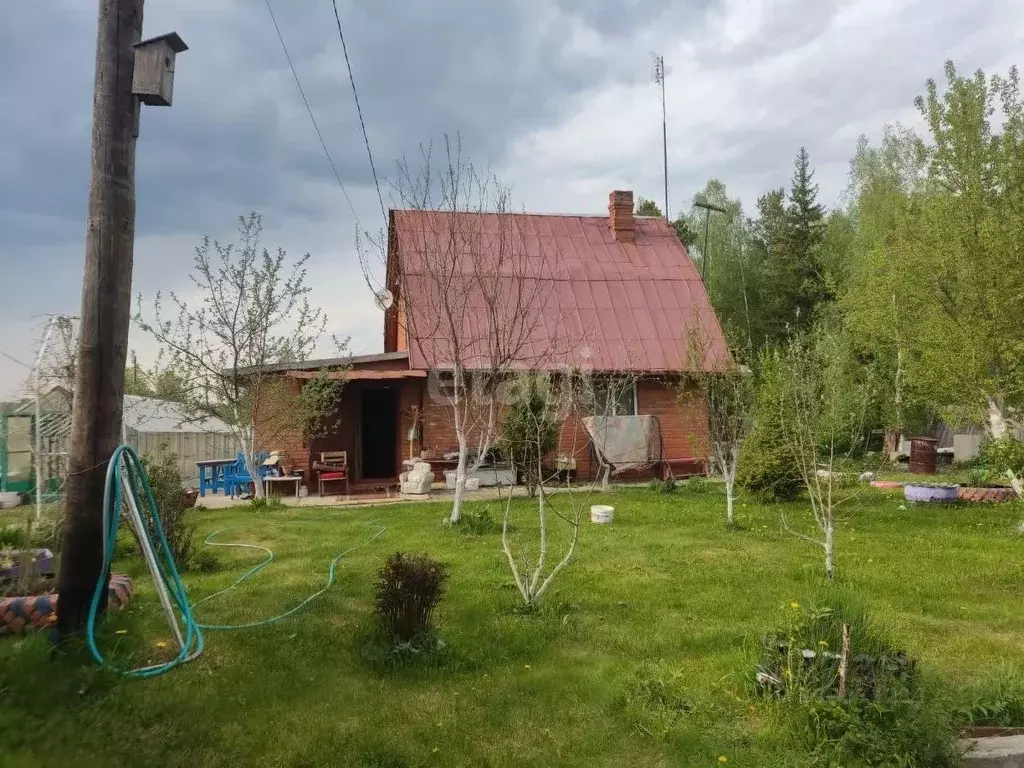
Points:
297	479
211	474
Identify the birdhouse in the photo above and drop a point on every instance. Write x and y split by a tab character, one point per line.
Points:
153	80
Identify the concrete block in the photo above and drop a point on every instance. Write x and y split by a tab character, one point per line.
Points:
995	752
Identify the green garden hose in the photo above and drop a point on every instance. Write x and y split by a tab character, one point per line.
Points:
193	642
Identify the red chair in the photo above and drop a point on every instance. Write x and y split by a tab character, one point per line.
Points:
332	468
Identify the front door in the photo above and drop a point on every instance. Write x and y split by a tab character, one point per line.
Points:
379	427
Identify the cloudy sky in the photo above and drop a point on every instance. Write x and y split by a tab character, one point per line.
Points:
554	95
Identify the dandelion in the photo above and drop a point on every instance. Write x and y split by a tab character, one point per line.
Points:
435	750
723	759
161	644
794	605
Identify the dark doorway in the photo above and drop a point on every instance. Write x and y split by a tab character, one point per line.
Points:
379	425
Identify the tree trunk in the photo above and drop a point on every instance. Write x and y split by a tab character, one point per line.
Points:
730	515
830	535
996	417
460	479
891	444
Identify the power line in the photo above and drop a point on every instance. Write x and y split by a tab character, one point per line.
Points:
312	119
14	359
359	112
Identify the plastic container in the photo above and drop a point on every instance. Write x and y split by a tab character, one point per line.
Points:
472	483
601	513
9	499
303	491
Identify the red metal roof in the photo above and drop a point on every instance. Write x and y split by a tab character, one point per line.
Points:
598	303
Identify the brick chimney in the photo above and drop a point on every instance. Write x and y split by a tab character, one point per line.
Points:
620	215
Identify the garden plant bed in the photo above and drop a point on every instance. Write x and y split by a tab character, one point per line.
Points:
29	613
667	595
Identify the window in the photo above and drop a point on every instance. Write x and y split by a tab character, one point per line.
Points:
615	398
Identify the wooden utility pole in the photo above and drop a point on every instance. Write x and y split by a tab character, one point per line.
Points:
106	303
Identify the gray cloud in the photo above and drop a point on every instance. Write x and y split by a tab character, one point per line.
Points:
556	96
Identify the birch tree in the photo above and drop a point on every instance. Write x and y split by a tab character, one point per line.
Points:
249	317
822	405
465	293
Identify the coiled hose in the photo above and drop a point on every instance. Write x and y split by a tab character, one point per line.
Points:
193	642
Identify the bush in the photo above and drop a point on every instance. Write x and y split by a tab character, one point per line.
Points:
173	505
766	467
474	522
998	456
409	588
528	431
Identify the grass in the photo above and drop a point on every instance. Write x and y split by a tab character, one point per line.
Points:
640	655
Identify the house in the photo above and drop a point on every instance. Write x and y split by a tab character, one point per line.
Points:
612	293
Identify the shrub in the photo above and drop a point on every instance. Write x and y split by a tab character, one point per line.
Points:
998	456
528	431
409	588
766	467
475	522
173	504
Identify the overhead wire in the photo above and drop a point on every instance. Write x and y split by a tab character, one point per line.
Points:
309	109
359	112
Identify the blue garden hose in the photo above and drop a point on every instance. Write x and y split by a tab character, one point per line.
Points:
193	642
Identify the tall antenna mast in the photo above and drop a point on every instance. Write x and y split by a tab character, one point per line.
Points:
659	78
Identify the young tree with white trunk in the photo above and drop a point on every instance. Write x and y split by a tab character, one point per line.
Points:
822	403
559	401
729	397
463	281
251	316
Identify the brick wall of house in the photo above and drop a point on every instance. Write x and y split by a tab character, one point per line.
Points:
683	429
276	426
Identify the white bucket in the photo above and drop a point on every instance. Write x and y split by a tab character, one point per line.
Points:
472	483
601	513
9	499
303	491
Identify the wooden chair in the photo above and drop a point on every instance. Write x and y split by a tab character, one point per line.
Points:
332	468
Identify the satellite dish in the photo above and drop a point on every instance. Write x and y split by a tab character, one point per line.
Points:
383	299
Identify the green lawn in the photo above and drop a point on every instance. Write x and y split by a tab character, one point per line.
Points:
666	592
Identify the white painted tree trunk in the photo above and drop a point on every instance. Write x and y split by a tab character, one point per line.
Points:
730	498
606	478
246	441
460	477
830	538
996	417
